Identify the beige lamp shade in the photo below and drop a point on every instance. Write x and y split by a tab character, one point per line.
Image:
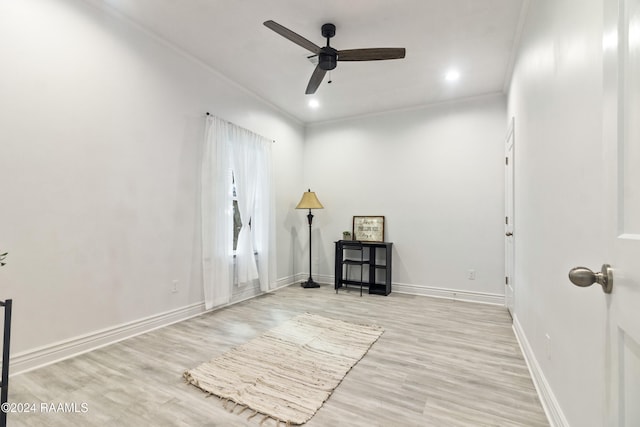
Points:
309	201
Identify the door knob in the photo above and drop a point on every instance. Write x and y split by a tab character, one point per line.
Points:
508	234
583	277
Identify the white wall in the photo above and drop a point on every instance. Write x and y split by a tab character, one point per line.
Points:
436	174
100	134
556	97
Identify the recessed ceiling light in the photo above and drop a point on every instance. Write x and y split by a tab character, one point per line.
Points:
452	75
313	103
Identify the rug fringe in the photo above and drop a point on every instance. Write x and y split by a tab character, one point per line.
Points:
266	418
227	404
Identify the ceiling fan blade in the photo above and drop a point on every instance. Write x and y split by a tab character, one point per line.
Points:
373	54
316	79
296	38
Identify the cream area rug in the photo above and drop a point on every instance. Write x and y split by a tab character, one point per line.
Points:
288	372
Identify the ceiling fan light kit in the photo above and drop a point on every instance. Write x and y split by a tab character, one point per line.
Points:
328	57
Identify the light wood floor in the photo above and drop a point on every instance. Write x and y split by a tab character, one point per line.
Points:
438	363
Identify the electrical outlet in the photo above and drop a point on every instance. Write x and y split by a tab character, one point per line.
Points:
174	286
471	275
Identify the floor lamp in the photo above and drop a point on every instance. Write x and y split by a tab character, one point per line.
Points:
309	201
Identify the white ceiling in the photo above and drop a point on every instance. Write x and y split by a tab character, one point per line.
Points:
474	36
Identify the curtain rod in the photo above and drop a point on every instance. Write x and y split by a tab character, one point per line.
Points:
272	140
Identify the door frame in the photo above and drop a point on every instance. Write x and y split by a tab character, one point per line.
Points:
509	215
622	352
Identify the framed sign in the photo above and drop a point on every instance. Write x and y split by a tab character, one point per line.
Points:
368	228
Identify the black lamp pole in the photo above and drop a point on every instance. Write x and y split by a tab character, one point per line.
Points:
309	201
310	283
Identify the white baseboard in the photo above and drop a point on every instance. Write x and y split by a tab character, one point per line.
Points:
46	355
283	282
452	294
286	281
289	280
324	279
52	353
427	291
545	393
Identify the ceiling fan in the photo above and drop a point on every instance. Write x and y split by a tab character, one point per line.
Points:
328	56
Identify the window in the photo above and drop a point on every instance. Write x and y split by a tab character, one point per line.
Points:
237	221
237	211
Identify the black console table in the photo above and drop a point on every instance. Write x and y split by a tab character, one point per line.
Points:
378	276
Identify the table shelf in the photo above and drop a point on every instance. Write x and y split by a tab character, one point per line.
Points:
376	264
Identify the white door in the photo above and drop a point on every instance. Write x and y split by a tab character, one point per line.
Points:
621	43
509	260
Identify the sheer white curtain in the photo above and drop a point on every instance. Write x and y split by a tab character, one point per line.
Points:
217	214
232	149
245	158
263	215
